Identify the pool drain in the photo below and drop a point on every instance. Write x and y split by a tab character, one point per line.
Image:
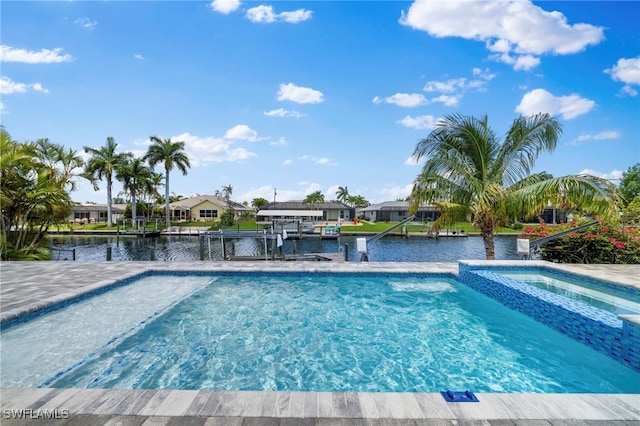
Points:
459	396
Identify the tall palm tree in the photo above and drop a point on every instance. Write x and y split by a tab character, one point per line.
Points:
469	172
342	194
172	155
314	198
103	164
136	178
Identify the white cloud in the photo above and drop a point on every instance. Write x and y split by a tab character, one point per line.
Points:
266	14
44	56
296	16
139	57
406	100
282	194
452	90
516	32
3	109
86	23
626	70
287	162
419	122
412	161
203	150
445	86
539	100
396	192
447	100
8	86
281	112
280	142
225	6
324	161
613	175
301	95
242	132
627	91
600	136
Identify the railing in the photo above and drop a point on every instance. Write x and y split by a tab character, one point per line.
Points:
562	234
388	231
59	250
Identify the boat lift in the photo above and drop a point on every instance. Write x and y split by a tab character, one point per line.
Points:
362	243
524	245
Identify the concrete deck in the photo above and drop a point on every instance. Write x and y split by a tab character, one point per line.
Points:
26	286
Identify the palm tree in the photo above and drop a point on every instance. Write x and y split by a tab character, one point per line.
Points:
33	196
259	202
172	155
103	164
314	198
136	178
343	194
469	172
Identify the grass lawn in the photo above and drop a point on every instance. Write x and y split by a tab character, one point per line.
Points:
251	225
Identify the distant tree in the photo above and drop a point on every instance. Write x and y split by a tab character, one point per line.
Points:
171	154
103	164
59	161
343	194
136	178
469	172
358	201
314	198
229	215
259	202
630	184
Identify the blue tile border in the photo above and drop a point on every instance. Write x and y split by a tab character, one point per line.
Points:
599	329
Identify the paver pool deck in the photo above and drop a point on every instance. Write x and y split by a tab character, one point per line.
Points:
26	286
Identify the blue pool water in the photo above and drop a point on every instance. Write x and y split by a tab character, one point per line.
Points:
612	298
311	332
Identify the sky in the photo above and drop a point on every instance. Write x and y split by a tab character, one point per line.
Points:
281	99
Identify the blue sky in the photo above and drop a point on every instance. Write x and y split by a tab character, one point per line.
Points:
296	97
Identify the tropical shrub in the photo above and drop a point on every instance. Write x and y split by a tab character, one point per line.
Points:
601	243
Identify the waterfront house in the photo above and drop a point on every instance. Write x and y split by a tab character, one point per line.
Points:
396	211
332	211
205	208
93	213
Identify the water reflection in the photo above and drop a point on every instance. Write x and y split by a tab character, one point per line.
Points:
191	248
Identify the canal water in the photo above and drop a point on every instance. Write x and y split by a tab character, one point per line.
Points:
189	248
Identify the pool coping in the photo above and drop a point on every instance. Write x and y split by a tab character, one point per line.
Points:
18	280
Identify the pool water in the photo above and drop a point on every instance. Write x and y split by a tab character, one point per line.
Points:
612	298
319	332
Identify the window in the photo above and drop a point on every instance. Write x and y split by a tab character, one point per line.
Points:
103	215
81	215
208	213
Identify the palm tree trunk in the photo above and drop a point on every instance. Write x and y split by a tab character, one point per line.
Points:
166	199
487	226
109	211
133	208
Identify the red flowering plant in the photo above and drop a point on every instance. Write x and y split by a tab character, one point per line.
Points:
601	243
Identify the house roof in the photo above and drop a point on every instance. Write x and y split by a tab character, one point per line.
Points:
301	205
394	205
96	208
189	203
301	213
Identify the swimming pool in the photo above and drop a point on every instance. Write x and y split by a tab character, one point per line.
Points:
313	331
612	298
